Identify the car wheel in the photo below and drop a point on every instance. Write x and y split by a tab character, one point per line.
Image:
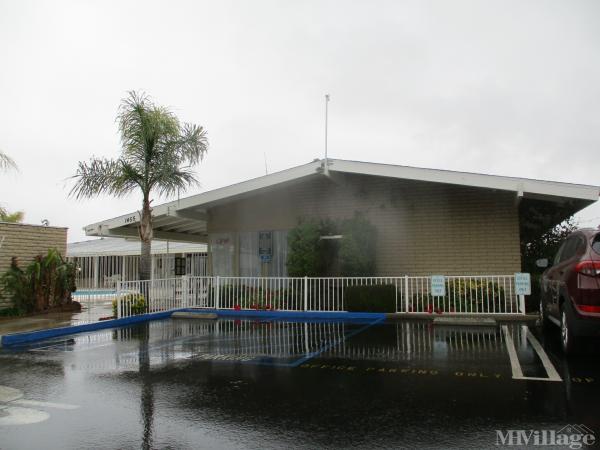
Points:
567	339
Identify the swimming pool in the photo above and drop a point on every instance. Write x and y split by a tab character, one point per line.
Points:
251	383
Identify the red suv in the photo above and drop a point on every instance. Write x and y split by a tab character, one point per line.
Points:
570	288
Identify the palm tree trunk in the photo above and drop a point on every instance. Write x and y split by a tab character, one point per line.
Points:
146	238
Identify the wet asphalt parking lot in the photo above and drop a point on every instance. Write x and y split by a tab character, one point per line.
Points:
188	383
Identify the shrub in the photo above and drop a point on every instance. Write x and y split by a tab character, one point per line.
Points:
357	248
303	256
47	281
9	312
376	298
352	255
250	297
130	304
462	296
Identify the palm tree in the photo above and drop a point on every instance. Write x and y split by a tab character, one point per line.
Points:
157	156
6	162
15	217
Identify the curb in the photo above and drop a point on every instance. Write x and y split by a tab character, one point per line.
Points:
31	336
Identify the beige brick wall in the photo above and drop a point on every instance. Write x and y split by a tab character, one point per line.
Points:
423	228
26	242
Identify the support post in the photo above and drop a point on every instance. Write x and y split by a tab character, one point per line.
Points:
118	293
217	293
406	290
96	271
305	293
185	291
522	304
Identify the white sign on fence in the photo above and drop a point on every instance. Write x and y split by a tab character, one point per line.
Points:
522	284
438	285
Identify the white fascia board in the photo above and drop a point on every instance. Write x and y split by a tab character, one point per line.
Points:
517	185
99	228
521	186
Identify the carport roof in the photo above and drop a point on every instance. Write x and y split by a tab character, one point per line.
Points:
124	247
185	219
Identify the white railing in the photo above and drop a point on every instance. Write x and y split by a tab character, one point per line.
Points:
103	272
493	294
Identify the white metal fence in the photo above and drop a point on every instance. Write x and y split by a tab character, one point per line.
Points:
105	271
494	294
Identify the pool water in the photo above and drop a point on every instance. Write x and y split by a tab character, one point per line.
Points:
188	383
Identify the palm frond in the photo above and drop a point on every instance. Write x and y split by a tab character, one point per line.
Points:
104	176
6	162
14	217
158	153
173	180
192	144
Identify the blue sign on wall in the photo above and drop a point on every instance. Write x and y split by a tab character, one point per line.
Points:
265	246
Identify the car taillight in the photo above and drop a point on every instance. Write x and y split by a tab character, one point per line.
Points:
589	268
589	308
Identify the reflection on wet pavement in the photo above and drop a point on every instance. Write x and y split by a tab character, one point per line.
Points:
265	384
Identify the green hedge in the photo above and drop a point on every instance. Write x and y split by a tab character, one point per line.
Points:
376	298
130	303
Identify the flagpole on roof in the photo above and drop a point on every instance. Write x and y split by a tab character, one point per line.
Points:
326	117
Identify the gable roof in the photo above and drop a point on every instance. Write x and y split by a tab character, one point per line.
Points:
185	219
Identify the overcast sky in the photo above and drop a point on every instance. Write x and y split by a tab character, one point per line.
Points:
505	87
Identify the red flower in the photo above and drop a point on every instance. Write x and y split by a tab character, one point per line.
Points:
237	307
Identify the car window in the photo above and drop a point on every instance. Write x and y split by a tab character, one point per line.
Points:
596	244
569	249
557	256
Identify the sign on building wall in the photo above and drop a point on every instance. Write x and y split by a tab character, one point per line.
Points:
522	284
265	246
438	285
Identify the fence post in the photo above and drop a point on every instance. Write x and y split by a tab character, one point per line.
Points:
185	291
305	293
118	294
406	302
522	304
217	293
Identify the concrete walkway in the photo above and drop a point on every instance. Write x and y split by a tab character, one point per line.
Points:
91	311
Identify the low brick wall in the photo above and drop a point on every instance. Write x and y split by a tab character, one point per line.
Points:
26	242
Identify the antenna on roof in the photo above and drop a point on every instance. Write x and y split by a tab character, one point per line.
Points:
326	117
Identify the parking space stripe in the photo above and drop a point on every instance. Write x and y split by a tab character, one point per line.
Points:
550	370
517	372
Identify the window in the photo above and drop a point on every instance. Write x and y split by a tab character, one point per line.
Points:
180	268
222	248
596	244
570	248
